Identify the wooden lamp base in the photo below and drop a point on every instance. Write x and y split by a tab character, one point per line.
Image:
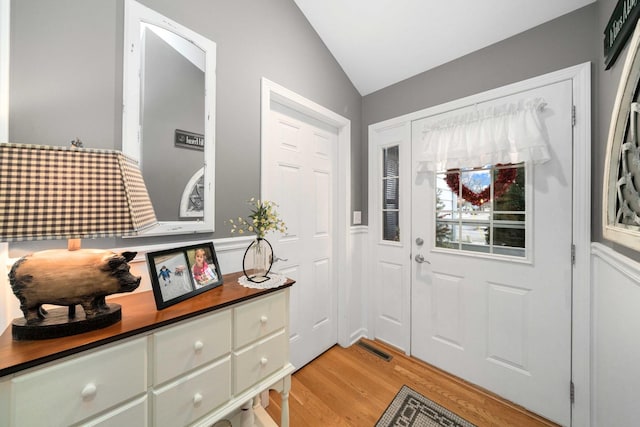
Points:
58	323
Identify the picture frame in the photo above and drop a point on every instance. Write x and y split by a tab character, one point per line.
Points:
182	273
621	197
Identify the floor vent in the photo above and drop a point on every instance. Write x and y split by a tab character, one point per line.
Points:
381	354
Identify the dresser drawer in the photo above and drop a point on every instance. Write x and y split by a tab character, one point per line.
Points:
258	361
193	396
130	414
191	344
80	387
259	318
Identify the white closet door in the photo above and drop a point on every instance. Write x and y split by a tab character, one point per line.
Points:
300	154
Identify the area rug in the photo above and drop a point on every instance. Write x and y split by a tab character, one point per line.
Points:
410	408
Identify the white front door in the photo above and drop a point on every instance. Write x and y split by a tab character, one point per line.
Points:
390	235
502	320
300	157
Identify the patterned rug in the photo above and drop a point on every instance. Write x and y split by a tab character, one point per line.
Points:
410	408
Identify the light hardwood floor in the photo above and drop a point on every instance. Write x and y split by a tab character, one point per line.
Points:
353	387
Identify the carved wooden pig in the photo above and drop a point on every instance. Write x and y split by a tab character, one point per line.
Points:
61	277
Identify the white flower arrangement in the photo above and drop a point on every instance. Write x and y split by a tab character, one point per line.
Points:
263	218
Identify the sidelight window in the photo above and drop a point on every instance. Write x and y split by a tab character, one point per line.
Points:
390	193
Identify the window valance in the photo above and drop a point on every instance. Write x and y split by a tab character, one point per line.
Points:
510	133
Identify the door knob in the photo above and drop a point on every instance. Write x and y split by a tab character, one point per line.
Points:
420	259
419	241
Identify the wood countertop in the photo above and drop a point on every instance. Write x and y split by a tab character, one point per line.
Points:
139	314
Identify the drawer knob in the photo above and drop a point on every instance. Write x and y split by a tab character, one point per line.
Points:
198	345
197	398
263	319
89	391
264	361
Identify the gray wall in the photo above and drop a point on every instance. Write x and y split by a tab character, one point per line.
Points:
603	99
566	41
66	82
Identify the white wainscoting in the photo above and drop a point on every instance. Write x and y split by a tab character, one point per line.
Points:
356	301
615	332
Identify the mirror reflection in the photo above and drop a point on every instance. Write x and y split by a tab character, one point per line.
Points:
168	125
172	119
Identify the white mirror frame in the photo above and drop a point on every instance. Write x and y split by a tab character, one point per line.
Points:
135	15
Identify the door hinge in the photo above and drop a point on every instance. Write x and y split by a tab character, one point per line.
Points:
573	254
573	115
572	392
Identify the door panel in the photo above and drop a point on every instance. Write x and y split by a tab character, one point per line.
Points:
499	322
300	155
390	208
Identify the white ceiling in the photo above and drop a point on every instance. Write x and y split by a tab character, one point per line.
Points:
381	42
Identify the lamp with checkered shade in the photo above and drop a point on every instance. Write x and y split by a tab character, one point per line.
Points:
69	193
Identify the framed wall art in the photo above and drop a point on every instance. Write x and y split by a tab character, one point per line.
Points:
181	273
621	192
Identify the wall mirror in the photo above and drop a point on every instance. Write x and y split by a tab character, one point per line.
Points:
169	116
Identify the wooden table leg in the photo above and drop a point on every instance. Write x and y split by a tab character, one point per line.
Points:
286	387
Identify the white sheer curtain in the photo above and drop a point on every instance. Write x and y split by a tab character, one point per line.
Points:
510	133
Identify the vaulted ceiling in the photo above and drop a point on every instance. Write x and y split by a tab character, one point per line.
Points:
381	42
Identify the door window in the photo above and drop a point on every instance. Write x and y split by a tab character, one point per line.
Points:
390	193
482	210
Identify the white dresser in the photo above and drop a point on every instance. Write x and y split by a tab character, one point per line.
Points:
188	365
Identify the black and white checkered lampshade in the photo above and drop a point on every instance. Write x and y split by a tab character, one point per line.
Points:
70	193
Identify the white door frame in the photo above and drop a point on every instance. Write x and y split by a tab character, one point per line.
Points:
581	204
5	36
272	91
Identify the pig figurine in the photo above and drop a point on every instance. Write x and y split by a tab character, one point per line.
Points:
60	277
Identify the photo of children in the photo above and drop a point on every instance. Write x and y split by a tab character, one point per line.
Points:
202	267
173	282
181	273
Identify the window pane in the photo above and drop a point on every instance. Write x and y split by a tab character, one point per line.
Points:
446	235
475	248
509	189
477	213
390	226
476	186
513	237
390	161
390	193
390	196
509	217
475	234
505	250
444	196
